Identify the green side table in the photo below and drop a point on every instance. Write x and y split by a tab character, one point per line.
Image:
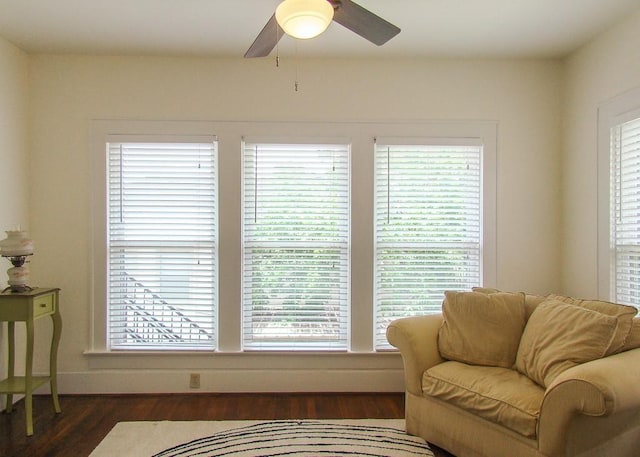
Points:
27	307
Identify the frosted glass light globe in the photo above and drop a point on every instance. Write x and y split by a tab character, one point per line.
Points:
304	18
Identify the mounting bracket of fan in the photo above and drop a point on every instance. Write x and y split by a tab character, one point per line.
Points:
346	13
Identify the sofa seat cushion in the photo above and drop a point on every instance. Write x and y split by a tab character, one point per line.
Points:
500	395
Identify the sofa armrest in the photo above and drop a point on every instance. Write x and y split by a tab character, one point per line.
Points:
605	387
417	339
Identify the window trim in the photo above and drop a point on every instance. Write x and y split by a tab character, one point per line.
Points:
428	143
101	133
256	345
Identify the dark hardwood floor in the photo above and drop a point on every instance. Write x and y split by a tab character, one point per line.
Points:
86	419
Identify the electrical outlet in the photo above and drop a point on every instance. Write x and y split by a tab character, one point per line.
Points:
194	380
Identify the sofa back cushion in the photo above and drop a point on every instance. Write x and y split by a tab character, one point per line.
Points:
482	329
559	336
531	301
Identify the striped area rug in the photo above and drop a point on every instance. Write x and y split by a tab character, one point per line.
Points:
366	437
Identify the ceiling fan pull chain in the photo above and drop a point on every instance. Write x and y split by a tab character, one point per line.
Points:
277	49
295	85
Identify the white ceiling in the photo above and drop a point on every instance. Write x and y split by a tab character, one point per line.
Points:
451	28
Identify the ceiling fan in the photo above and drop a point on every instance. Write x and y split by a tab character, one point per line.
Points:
290	16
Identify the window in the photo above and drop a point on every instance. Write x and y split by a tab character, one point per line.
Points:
264	237
428	226
625	211
161	244
295	246
619	199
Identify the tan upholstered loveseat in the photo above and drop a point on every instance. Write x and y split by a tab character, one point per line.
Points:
522	401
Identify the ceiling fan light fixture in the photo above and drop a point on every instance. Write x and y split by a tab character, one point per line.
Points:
304	18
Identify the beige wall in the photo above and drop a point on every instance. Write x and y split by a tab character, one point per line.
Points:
14	70
547	212
68	91
601	70
14	85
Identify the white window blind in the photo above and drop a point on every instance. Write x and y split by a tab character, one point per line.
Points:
295	246
162	246
427	227
625	211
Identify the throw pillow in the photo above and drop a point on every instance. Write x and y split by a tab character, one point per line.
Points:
623	313
559	336
633	341
482	329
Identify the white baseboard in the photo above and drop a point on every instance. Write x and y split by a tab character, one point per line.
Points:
155	372
114	373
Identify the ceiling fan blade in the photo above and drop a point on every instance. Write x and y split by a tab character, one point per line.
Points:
266	39
363	22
